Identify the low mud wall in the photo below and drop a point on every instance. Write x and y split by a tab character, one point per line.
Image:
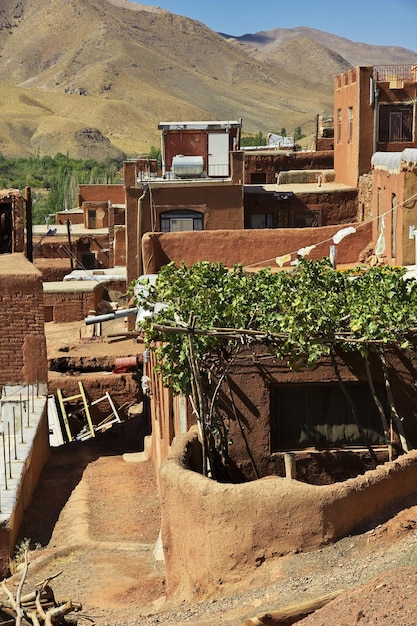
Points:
214	533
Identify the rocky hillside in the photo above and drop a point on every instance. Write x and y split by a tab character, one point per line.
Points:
92	78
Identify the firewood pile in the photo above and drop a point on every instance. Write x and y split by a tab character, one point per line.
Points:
37	607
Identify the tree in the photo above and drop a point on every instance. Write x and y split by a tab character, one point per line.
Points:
255	140
211	313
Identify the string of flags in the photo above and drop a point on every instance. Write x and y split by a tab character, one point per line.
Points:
302	252
337	238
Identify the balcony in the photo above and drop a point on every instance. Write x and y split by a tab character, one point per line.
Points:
396	75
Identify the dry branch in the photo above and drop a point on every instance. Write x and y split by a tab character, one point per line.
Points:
37	607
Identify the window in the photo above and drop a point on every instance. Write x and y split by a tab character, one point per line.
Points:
339	126
350	124
258	178
265	220
318	415
396	123
181	220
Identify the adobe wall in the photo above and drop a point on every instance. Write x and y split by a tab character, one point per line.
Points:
12	199
33	466
31	469
399	248
52	270
248	247
253	381
72	305
232	529
121	387
303	209
22	336
272	163
101	193
221	204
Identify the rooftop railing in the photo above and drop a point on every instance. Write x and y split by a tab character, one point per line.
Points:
385	73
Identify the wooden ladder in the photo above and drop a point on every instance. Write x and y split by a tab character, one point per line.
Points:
81	396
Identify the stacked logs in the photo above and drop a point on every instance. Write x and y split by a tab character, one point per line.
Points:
36	608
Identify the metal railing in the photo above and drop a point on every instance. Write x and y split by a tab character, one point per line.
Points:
20	412
384	73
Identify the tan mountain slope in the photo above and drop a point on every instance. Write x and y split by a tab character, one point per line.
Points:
93	78
353	52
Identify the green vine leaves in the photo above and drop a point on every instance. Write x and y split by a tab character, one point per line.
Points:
297	314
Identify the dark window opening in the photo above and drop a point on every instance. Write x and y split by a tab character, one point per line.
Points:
261	220
6	228
181	220
318	416
396	123
258	178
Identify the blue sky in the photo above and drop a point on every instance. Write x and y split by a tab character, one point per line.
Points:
380	22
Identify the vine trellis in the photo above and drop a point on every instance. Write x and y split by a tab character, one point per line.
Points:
209	313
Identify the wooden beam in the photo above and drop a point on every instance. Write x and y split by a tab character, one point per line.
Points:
293	613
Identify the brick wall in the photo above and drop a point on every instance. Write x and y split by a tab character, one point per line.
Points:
22	336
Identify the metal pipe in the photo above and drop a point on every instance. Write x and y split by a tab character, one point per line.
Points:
106	317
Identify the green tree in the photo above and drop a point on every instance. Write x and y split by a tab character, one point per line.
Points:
210	313
254	140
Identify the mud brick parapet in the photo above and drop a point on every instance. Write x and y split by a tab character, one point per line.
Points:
22	336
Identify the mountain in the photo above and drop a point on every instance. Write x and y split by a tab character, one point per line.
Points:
266	44
93	78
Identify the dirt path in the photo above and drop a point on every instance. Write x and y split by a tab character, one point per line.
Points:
97	516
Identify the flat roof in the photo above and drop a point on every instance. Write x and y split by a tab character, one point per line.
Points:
217	125
299	188
71	286
16	264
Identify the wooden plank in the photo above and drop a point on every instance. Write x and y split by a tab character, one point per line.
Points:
64	414
293	613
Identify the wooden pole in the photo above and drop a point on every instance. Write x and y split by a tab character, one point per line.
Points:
293	613
290	468
29	225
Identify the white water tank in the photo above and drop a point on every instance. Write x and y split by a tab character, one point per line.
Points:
187	166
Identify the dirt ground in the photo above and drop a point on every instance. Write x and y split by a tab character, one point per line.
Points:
95	517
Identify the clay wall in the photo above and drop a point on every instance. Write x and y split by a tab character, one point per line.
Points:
22	337
253	384
30	473
101	193
220	204
95	214
68	306
239	527
269	165
248	247
395	188
121	387
12	210
302	209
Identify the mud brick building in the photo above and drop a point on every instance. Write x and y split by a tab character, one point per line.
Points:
22	336
12	205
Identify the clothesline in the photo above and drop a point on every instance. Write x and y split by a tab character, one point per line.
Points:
307	249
